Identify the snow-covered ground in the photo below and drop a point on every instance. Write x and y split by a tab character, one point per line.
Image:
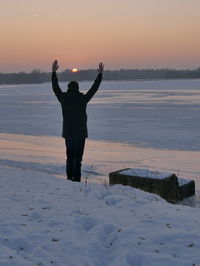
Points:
51	221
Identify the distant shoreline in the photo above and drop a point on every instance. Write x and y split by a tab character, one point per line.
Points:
38	77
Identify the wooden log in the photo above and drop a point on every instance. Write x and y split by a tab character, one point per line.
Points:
166	186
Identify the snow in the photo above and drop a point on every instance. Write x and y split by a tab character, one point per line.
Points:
51	221
145	173
152	174
183	181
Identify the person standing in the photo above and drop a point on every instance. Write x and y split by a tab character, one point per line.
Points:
74	104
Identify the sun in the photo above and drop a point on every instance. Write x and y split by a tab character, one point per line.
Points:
74	70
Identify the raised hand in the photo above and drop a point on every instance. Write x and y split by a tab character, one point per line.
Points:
100	69
55	66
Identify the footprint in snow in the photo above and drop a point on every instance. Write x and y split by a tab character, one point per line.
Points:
110	200
86	223
109	228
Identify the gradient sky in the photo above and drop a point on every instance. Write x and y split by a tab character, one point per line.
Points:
80	33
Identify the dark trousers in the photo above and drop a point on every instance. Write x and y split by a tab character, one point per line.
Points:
74	152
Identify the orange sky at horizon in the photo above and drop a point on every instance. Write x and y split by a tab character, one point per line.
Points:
120	33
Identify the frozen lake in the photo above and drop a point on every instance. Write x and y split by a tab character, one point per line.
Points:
142	124
157	114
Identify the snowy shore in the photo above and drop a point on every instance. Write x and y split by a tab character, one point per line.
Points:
51	221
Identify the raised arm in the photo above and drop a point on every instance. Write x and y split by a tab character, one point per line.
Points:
54	80
96	84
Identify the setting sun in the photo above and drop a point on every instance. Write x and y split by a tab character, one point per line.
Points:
74	70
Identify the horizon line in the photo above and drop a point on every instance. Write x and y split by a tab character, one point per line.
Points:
37	70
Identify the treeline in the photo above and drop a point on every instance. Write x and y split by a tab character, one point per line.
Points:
38	76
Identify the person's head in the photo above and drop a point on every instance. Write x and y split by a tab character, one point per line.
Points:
73	86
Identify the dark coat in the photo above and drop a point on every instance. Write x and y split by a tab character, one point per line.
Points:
74	105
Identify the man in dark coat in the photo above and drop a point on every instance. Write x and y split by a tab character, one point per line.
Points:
74	104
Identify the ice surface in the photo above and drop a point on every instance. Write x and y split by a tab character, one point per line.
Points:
160	114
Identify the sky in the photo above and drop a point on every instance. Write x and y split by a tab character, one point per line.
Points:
81	33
